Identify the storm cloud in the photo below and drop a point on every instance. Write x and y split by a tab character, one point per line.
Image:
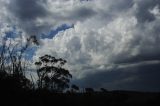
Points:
112	44
39	16
139	77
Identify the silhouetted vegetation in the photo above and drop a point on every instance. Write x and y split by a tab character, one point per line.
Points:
51	74
52	82
103	90
13	65
89	90
74	88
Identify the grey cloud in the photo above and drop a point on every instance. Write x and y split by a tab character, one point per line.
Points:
139	78
82	13
37	16
25	13
78	14
121	5
74	44
75	47
144	6
137	58
27	10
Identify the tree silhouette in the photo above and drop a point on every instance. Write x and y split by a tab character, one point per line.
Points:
51	74
103	90
89	90
74	88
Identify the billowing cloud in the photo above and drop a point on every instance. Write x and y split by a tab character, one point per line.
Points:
107	37
124	32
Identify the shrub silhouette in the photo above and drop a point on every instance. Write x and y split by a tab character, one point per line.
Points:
13	64
51	74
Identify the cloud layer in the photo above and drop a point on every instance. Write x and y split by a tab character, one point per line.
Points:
108	37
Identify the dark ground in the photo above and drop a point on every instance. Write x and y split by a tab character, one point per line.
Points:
46	98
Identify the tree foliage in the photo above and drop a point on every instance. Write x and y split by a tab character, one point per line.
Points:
51	74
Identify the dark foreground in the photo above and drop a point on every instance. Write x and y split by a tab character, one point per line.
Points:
46	98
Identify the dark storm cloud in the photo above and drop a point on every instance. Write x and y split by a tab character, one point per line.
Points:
74	15
144	6
137	58
140	78
121	5
82	13
27	10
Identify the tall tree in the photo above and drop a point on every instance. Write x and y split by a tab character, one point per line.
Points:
52	74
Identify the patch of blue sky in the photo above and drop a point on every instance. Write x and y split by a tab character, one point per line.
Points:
30	52
13	33
54	32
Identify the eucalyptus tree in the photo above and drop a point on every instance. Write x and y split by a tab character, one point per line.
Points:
52	74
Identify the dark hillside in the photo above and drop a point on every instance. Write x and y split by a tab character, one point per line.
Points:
47	98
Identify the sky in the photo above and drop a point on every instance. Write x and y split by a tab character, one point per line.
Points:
113	44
